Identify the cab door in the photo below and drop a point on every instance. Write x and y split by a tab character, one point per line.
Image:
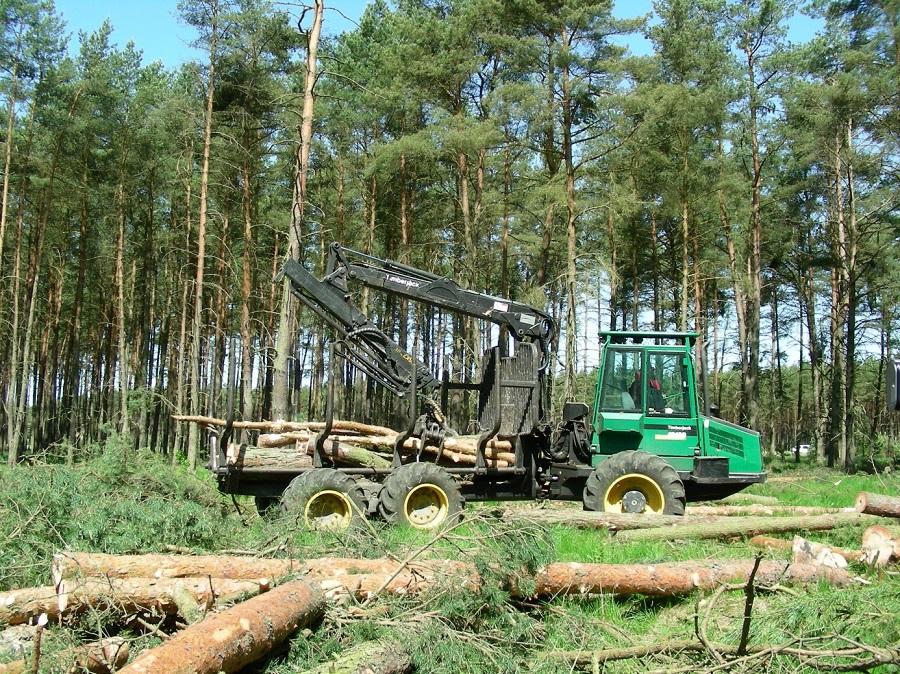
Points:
670	407
617	407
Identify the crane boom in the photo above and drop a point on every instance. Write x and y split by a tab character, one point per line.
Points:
524	322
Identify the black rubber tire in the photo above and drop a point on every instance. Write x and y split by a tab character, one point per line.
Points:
642	463
397	486
265	505
311	482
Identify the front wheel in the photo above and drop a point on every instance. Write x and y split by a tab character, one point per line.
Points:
421	495
324	498
634	482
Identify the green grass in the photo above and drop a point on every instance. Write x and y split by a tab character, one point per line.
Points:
126	502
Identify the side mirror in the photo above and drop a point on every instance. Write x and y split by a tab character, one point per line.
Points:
714	411
892	385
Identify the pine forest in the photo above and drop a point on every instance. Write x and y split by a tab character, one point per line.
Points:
731	182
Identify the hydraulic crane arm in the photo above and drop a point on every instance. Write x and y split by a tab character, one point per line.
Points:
363	342
524	322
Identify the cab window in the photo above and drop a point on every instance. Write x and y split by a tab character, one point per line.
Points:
620	370
667	386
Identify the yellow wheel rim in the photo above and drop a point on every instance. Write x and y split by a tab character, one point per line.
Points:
426	506
328	509
634	482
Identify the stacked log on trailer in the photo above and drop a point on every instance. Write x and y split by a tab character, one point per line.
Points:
290	445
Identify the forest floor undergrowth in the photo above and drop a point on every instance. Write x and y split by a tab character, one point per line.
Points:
133	502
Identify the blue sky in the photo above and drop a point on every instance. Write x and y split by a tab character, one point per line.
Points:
155	28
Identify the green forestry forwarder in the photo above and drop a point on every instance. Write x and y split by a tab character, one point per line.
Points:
644	447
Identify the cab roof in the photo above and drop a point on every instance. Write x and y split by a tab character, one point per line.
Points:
636	337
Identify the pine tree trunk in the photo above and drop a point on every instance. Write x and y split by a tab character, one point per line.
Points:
754	271
286	315
7	158
850	274
193	436
571	234
246	287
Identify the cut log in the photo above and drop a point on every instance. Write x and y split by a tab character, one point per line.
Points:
880	545
350	455
611	521
71	565
16	641
462	444
14	667
808	552
743	498
677	578
283	426
98	657
19	607
878	504
586	519
758	509
300	456
744	526
770	543
86	564
369	657
248	457
161	595
232	639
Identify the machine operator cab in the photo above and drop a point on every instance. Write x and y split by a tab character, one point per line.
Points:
646	400
645	397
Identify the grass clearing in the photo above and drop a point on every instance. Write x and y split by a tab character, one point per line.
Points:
127	502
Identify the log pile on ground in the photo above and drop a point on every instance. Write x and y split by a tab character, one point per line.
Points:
290	445
225	615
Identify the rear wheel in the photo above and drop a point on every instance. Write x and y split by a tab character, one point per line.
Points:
634	482
324	498
421	495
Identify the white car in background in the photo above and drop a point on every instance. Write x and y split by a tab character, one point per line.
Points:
802	449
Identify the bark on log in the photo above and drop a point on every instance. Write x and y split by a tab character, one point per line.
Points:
19	607
664	580
758	509
878	504
101	566
462	444
232	639
744	526
781	544
98	657
880	545
369	657
162	595
299	456
598	520
86	564
343	454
